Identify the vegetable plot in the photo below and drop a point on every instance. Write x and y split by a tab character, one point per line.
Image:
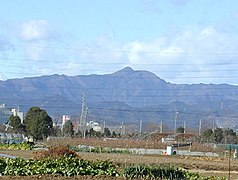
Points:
65	166
71	166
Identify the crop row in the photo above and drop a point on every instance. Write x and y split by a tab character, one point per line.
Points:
73	166
65	166
99	149
166	172
21	146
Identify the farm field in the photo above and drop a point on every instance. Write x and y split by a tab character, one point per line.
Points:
207	166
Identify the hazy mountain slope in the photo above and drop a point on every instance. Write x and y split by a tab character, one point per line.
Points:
125	95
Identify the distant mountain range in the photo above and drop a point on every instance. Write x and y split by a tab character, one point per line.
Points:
127	96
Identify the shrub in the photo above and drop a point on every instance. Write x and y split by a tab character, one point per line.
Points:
54	153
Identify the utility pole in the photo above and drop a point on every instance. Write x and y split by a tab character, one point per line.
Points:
175	121
184	126
200	127
123	128
83	117
104	125
140	126
161	127
213	125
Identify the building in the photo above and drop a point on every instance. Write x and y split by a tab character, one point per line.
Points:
94	125
16	112
64	120
6	112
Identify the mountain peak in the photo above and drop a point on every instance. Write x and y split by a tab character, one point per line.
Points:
124	71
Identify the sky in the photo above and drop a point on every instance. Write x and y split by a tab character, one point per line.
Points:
181	41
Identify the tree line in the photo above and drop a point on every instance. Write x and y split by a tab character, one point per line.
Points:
219	135
38	124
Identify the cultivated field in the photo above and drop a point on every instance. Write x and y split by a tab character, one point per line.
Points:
208	166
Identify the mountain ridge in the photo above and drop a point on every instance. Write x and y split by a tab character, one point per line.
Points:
127	95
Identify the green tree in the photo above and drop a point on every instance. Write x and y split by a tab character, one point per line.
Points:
230	136
68	129
114	134
15	122
38	123
106	132
180	130
218	135
207	135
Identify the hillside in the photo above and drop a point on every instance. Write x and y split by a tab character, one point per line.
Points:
126	95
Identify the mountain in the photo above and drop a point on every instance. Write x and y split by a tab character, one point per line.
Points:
127	95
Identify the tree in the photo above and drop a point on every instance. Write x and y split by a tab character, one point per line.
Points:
207	135
114	134
68	129
218	135
230	136
107	132
15	122
180	130
38	123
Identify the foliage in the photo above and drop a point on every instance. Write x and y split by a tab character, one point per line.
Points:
227	136
106	132
207	135
100	150
3	165
218	135
180	130
54	152
230	136
15	122
68	129
66	165
114	134
21	146
158	172
38	123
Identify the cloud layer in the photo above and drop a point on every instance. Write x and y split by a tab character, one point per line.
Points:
189	55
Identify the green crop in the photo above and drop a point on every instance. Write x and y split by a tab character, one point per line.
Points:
166	172
100	150
65	166
21	146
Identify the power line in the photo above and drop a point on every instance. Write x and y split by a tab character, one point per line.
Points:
124	51
202	113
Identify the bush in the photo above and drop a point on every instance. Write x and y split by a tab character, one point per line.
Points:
54	153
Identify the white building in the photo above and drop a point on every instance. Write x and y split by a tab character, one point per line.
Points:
16	112
64	120
94	125
6	112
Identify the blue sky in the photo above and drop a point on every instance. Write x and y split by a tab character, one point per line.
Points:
181	41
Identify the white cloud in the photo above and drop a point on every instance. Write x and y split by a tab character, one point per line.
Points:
194	55
192	52
191	56
35	30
